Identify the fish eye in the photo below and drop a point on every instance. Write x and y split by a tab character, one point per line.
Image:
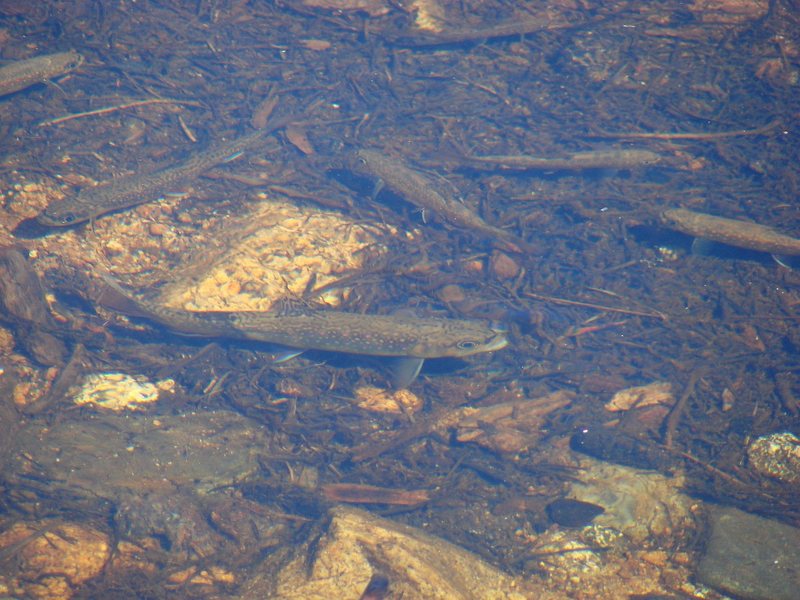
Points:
467	345
67	218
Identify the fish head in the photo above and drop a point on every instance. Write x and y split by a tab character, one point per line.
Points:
462	339
57	216
650	158
360	161
73	60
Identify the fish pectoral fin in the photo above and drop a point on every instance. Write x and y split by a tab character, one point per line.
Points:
233	156
789	262
404	370
703	247
377	188
281	355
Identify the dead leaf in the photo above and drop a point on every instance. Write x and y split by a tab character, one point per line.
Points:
299	140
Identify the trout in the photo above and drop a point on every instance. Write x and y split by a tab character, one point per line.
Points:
579	161
132	190
396	336
25	73
742	234
515	28
422	192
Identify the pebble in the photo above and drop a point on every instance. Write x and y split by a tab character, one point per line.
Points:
451	294
158	229
115	246
503	266
776	455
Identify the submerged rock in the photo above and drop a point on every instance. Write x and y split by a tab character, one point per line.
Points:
357	548
120	392
115	453
51	558
751	557
776	455
642	505
159	474
279	251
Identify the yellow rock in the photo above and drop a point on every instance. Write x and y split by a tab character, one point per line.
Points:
658	392
117	391
388	401
285	249
49	564
357	546
655	557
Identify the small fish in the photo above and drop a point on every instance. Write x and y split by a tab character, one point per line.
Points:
132	190
411	338
25	73
742	234
515	28
423	192
579	161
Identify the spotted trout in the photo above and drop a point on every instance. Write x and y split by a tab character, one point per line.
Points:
578	161
25	73
742	234
515	28
374	335
132	190
423	192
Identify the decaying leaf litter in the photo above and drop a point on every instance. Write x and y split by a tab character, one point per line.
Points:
717	328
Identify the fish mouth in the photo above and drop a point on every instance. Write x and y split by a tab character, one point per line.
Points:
498	343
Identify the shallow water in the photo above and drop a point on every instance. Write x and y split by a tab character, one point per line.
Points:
604	298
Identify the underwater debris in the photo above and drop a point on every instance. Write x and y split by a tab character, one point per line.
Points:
118	392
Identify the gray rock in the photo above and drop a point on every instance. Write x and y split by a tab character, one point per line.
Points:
751	557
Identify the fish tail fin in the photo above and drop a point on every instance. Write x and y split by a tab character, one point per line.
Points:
113	297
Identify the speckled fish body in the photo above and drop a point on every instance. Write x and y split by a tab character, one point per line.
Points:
373	335
513	28
132	190
595	159
24	73
422	192
742	234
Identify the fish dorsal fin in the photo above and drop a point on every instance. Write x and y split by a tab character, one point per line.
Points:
290	307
